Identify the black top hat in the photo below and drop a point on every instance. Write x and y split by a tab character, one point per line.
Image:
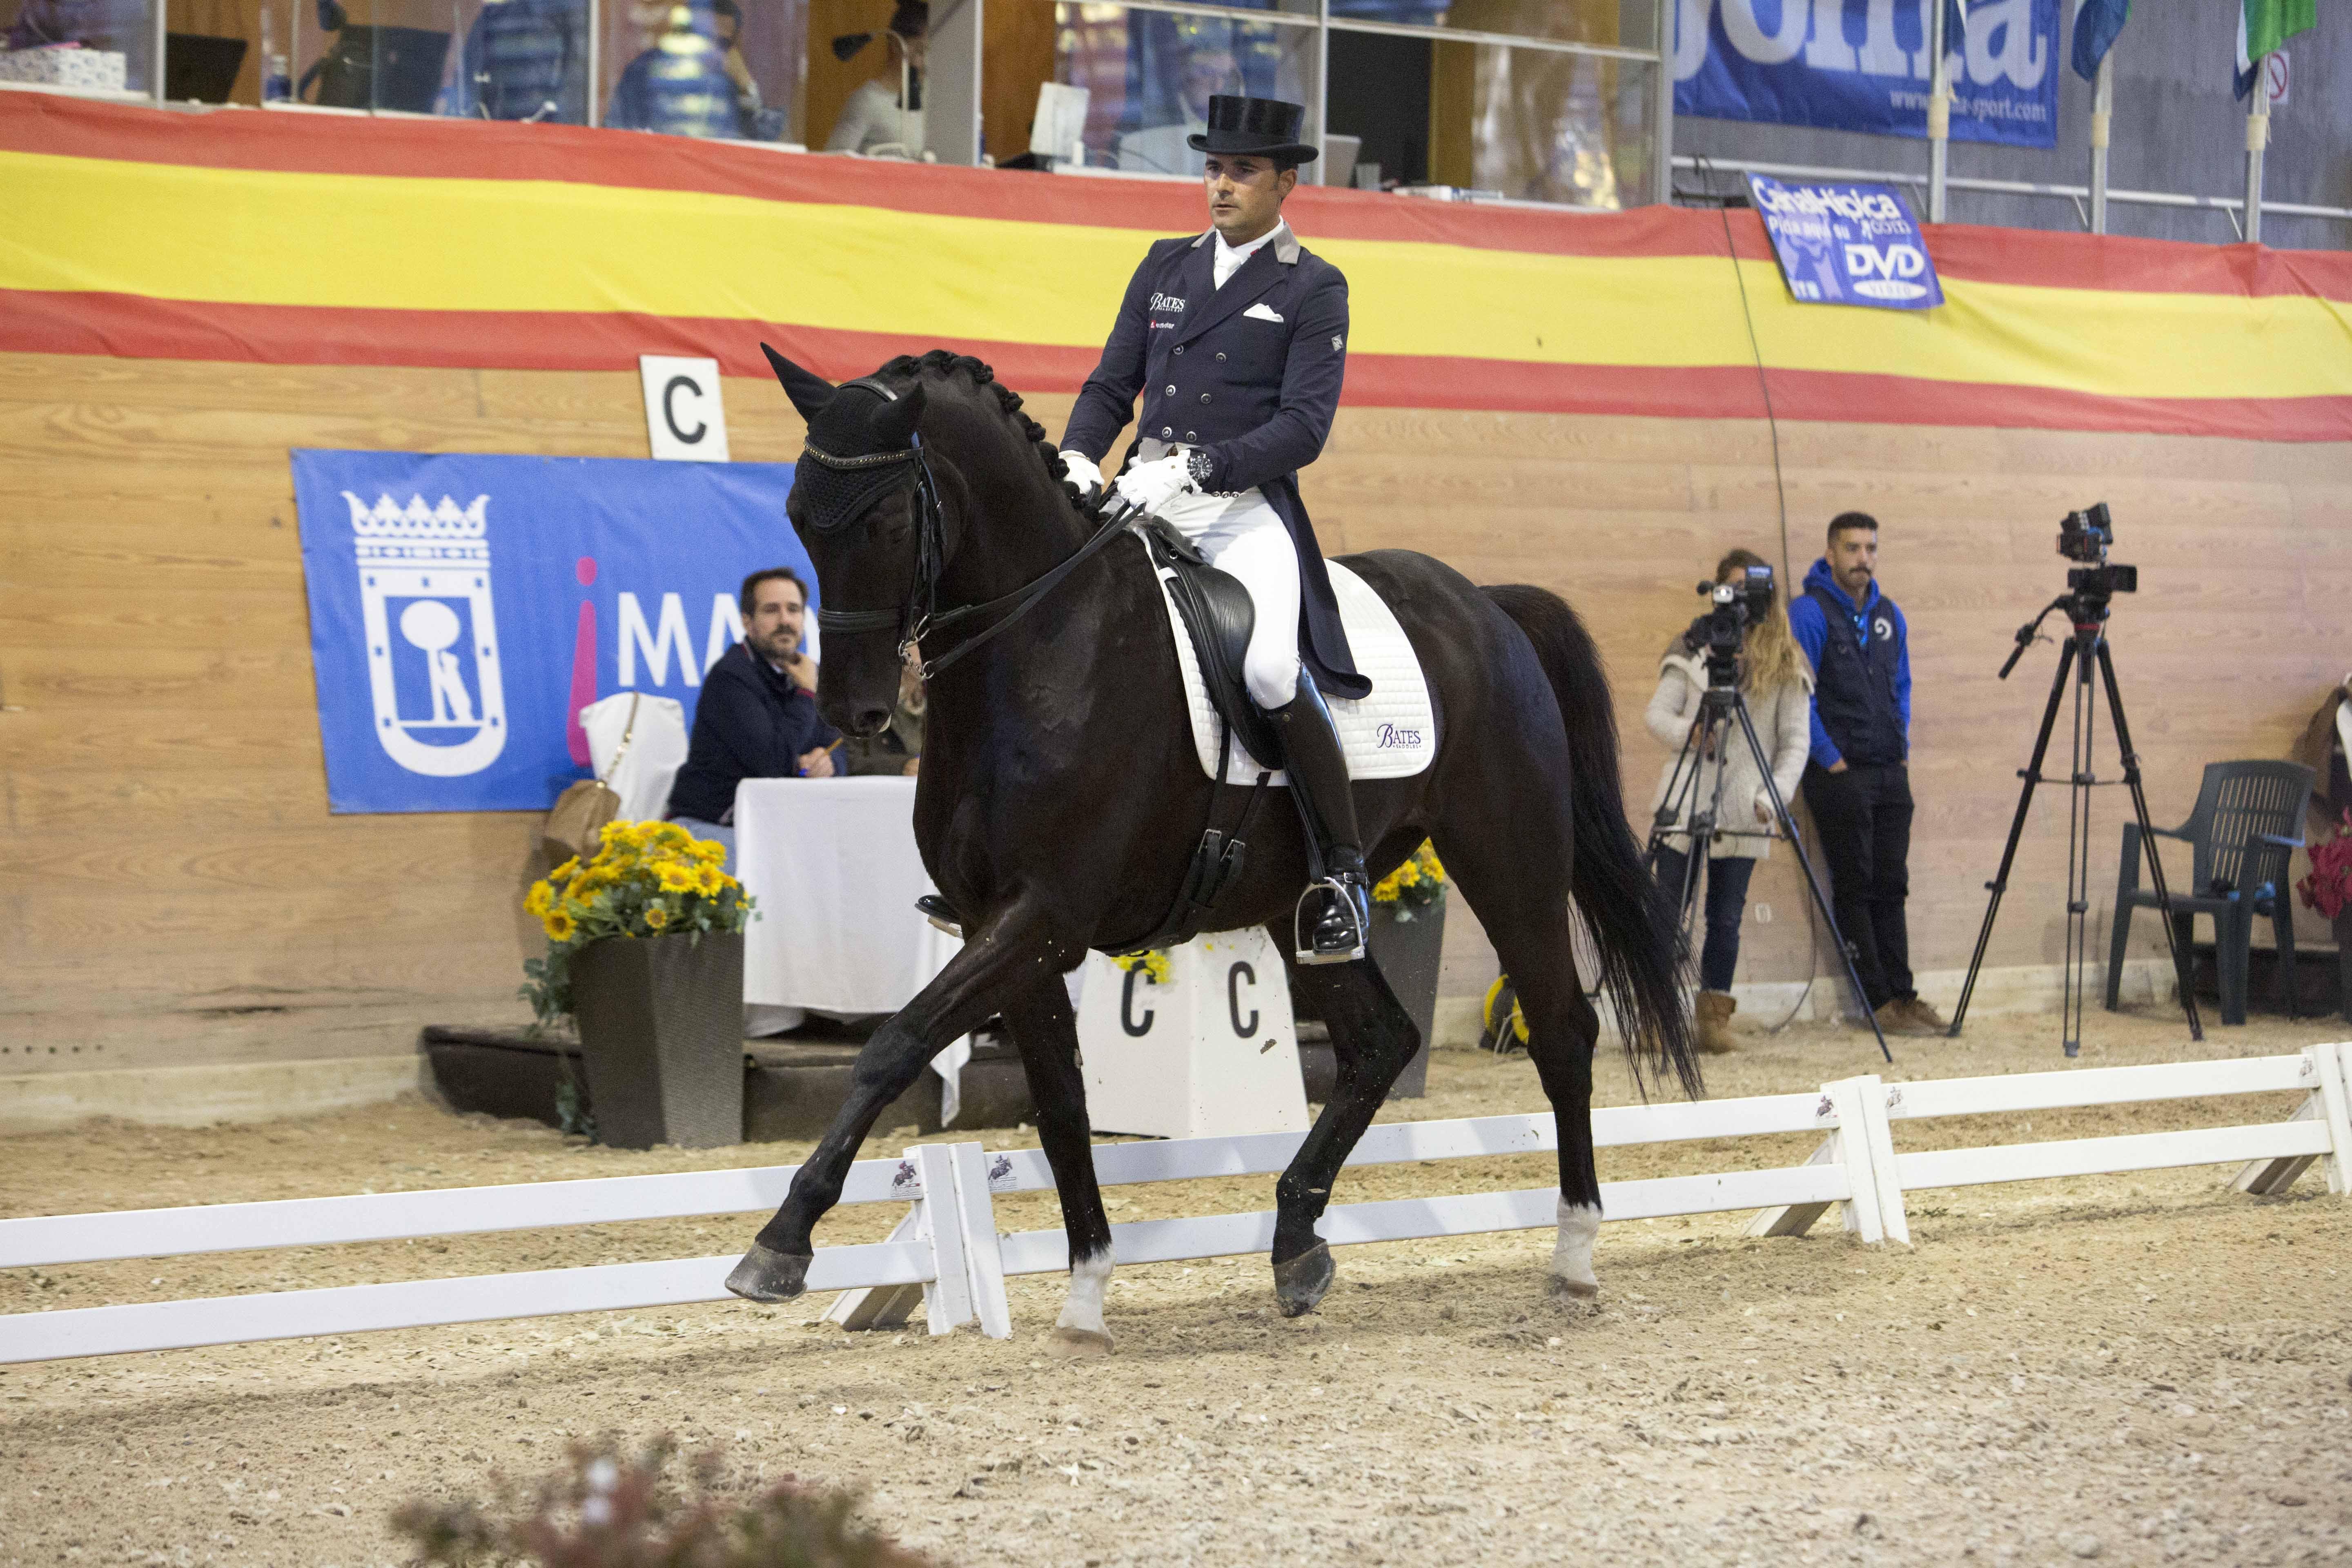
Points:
1266	127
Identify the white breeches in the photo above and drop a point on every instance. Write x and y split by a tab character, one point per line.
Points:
1243	535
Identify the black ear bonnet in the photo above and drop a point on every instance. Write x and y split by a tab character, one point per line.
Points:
837	480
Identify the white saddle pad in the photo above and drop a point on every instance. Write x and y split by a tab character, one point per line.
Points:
1390	734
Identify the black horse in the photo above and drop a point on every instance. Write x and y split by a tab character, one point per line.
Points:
1061	798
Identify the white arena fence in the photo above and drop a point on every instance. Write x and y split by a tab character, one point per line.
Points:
949	1246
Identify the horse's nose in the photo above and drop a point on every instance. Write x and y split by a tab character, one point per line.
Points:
869	721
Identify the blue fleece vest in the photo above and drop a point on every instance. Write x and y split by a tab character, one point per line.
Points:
1854	687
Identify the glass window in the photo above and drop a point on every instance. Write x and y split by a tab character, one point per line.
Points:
489	59
1148	76
105	46
1630	24
1541	125
729	68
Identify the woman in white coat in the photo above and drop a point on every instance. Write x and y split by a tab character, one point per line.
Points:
1776	680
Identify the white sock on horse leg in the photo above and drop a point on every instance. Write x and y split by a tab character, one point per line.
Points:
1089	1283
1571	1251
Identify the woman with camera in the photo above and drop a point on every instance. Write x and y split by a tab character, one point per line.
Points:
1776	680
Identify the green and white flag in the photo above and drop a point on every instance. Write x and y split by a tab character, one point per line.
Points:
2264	28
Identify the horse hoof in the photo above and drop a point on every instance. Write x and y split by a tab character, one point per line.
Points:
767	1275
1562	1289
1078	1344
1300	1283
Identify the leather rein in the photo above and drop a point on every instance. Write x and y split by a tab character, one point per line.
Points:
920	615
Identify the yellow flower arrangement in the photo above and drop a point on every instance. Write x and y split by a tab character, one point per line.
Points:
1417	884
1152	960
645	880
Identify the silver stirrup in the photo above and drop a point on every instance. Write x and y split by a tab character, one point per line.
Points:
1302	940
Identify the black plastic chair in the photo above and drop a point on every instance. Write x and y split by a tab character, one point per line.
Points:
2248	822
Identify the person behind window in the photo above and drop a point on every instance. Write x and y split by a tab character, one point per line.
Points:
1207	69
898	749
1778	685
526	59
755	718
879	116
691	81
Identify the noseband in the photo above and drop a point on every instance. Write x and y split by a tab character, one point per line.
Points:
847	489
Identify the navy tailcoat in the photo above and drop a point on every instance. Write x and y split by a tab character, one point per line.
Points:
1250	374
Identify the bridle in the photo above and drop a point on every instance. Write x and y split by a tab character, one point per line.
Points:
850	487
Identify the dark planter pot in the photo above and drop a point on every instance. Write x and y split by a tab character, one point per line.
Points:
661	1032
1407	951
2343	923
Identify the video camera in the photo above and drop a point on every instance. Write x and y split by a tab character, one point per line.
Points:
2087	536
1735	604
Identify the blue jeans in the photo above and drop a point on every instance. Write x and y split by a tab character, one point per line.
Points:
1726	901
712	830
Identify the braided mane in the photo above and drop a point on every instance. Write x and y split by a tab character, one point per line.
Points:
941	363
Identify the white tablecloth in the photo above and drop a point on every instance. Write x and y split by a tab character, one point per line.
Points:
833	866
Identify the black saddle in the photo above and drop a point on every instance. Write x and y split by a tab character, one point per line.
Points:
1217	613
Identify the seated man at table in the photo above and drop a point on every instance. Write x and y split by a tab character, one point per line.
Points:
756	720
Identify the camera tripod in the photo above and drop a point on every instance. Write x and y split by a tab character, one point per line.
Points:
2086	603
1710	736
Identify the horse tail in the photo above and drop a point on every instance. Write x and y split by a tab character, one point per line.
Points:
1629	919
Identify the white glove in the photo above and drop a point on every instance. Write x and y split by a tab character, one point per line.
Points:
1081	471
1150	486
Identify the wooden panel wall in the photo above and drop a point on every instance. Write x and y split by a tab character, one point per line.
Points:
173	890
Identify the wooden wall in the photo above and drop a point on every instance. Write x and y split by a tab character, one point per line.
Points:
175	891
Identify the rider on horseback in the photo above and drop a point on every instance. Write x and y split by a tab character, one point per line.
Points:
1237	340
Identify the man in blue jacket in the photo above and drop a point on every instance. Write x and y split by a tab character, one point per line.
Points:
1238	339
757	718
1855	780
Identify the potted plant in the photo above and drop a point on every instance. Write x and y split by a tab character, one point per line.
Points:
2328	889
1408	936
644	950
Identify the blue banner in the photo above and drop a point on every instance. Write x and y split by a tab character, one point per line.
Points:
1862	65
464	609
1847	245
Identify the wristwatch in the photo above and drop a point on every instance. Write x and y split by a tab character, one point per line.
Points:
1200	466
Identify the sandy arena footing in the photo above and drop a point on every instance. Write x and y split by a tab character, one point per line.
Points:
2143	1369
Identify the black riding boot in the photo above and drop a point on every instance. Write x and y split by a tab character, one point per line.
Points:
1335	914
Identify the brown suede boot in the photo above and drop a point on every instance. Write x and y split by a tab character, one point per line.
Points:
1714	1018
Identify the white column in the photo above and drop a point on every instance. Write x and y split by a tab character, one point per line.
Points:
2258	137
1939	113
2102	103
1662	173
951	128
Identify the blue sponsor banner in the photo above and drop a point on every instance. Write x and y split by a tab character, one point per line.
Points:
1862	65
464	609
1847	245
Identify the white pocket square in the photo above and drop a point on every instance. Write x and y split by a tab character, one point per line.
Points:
1263	311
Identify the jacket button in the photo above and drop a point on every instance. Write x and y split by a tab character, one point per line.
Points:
1172	392
1221	359
1167	430
1179	349
1192	436
1204	397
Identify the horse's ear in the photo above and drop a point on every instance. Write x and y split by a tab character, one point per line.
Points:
809	391
893	424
